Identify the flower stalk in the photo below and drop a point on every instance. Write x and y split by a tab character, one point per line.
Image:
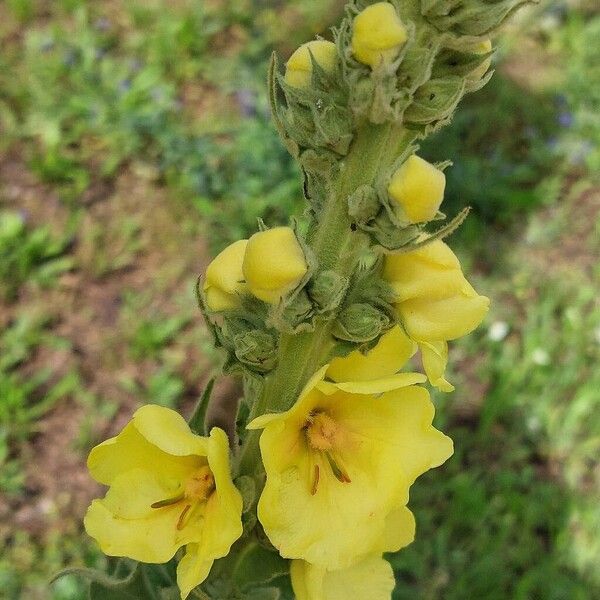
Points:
320	319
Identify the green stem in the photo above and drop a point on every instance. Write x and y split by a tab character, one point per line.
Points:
338	248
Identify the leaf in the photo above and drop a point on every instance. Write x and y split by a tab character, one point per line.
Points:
258	566
134	586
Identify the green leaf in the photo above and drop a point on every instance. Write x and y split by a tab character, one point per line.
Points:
134	586
257	566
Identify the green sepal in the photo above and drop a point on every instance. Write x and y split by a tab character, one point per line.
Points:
469	17
435	100
197	420
451	62
249	489
275	104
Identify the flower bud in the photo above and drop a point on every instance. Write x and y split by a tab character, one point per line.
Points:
274	264
434	300
327	290
360	323
299	67
377	35
418	188
256	349
363	204
224	280
484	47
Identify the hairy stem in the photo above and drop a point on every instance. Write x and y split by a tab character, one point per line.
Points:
338	248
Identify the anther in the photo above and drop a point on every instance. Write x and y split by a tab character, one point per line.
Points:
315	484
168	501
182	516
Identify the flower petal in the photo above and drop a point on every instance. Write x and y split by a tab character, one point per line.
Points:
389	355
400	529
305	400
192	570
130	450
223	515
167	429
372	578
435	357
444	319
382	385
151	540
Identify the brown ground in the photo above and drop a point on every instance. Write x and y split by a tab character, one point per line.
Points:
86	310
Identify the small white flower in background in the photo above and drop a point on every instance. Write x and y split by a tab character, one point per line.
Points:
498	331
597	334
533	424
540	357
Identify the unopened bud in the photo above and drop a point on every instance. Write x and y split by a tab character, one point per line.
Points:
378	35
327	290
484	47
418	189
363	204
299	67
469	17
256	349
224	280
360	323
274	264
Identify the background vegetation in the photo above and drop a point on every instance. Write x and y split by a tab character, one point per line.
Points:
136	141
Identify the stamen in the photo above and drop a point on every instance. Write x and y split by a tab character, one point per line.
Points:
315	484
168	501
181	521
337	470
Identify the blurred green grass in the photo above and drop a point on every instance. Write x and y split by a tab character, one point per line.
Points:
136	135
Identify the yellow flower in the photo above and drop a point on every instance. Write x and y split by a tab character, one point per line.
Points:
168	488
224	281
373	578
378	34
435	303
434	356
298	71
387	358
339	464
484	47
418	189
274	263
433	298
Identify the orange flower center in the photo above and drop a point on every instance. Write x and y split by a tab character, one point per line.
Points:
196	490
200	485
322	432
325	438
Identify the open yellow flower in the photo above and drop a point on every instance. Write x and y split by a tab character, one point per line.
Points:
372	578
417	187
168	488
298	72
224	280
378	34
274	263
339	464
